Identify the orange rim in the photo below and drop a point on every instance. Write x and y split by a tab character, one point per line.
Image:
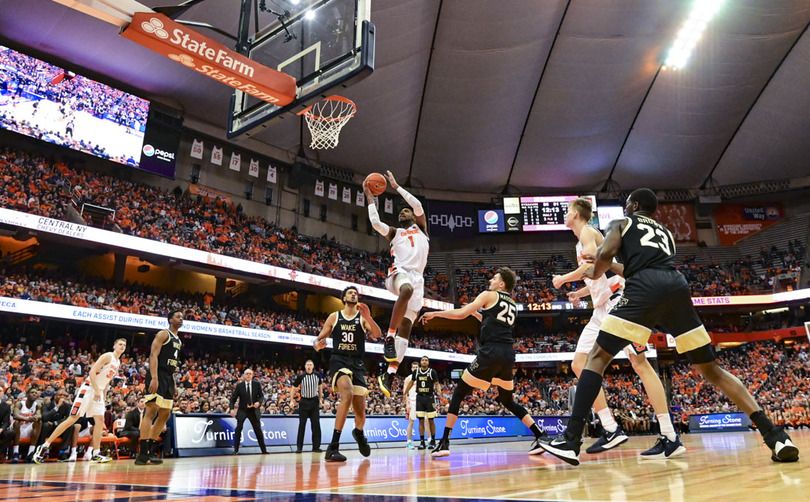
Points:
306	111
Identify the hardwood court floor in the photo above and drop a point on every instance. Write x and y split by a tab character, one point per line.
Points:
729	466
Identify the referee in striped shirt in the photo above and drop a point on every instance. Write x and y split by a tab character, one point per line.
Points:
310	405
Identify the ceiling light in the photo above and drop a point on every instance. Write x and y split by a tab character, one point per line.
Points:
309	15
690	33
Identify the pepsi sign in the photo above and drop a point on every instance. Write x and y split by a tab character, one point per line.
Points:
490	221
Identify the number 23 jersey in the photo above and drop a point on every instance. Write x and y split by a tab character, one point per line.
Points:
646	244
498	321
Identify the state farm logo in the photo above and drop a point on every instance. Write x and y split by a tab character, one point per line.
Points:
155	26
183	59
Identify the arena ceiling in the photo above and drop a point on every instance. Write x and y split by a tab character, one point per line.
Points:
542	96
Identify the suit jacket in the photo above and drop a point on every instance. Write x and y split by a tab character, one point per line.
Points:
132	420
5	416
240	393
50	413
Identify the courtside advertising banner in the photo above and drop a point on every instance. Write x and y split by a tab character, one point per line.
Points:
719	422
207	56
198	431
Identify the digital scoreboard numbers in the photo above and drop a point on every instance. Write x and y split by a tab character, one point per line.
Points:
544	213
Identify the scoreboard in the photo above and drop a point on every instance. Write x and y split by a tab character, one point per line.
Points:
541	213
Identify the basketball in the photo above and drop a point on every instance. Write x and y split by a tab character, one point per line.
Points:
376	183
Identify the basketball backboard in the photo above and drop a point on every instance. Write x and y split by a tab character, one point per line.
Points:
323	44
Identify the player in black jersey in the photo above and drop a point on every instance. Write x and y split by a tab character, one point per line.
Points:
164	358
496	355
425	379
655	294
348	328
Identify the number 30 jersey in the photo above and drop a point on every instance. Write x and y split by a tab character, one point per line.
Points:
646	244
498	321
348	337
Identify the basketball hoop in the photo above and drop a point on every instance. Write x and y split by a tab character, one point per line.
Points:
326	118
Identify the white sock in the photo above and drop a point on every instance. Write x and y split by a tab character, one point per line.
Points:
402	345
73	450
665	422
89	451
392	368
46	445
608	422
16	448
391	332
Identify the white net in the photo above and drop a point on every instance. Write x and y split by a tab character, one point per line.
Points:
326	118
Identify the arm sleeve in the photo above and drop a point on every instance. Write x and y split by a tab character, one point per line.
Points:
297	380
412	201
374	218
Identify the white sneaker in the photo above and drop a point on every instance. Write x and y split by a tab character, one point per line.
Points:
72	457
100	459
87	456
39	454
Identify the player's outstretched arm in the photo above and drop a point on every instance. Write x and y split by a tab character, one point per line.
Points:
484	300
588	240
374	216
416	205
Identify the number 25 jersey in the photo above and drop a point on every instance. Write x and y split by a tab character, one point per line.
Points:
646	244
498	321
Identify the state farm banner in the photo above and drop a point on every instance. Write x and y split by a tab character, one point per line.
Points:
190	48
679	218
451	219
736	221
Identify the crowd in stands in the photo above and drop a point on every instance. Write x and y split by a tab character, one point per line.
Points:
50	286
32	184
197	222
776	374
533	280
27	76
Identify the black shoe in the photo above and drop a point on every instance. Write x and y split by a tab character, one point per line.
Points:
142	459
385	380
664	449
442	450
334	455
317	450
536	449
782	448
362	442
608	440
421	446
389	349
562	448
432	443
299	450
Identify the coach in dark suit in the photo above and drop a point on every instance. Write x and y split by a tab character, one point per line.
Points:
250	396
54	412
6	431
132	422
